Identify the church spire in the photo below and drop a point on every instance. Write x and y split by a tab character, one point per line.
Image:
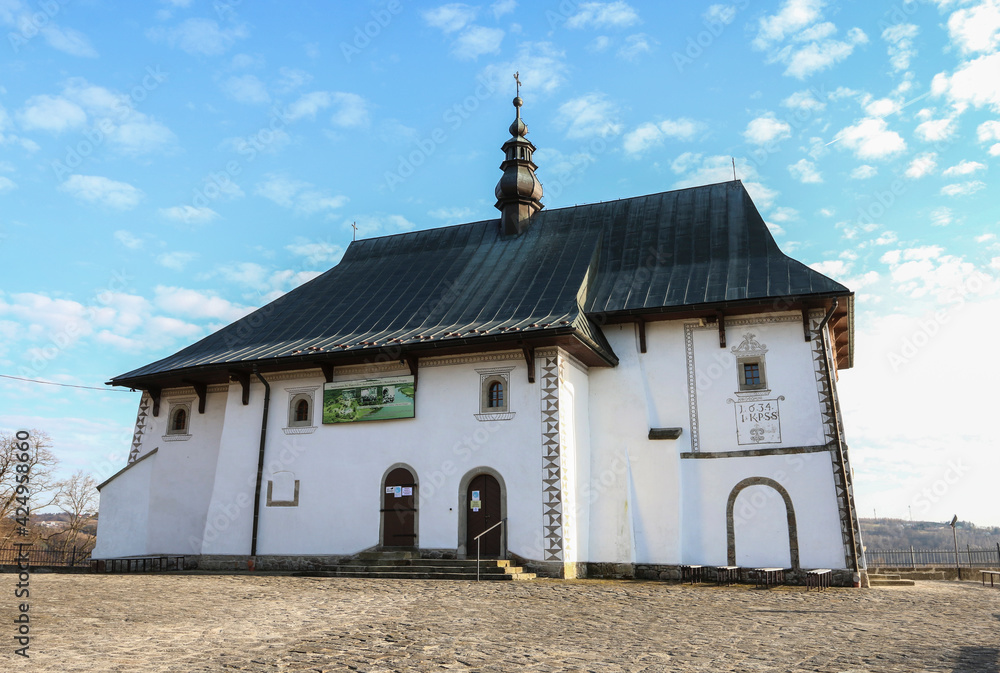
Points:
519	193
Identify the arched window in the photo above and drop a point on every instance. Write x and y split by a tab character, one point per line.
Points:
178	420
495	395
302	411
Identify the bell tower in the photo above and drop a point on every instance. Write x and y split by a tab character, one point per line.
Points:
519	193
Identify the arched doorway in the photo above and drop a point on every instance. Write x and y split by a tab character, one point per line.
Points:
765	518
484	509
399	508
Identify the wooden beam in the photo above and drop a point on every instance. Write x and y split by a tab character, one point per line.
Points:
201	389
414	365
722	329
327	371
641	326
805	324
529	358
244	379
155	394
664	433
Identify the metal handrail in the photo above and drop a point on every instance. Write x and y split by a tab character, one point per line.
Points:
479	544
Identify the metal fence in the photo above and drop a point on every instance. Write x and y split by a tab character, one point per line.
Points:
12	556
988	557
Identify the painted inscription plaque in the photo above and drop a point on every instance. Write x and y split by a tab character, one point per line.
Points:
758	421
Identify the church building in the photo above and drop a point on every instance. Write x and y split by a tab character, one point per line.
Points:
628	386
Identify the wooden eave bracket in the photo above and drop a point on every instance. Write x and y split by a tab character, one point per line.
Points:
413	363
244	379
641	326
805	324
154	393
665	433
529	358
202	391
327	371
722	329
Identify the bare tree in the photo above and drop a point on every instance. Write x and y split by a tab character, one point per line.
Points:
77	497
42	486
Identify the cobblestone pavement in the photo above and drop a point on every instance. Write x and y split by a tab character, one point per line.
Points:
189	622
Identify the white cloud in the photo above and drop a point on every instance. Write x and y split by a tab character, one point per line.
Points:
963	188
976	29
6	184
475	41
199	37
246	89
599	44
451	17
97	189
350	109
964	168
880	107
835	268
988	131
451	214
589	116
51	113
724	14
603	15
199	305
291	79
766	129
650	134
190	214
315	252
176	260
308	105
871	139
986	238
922	164
542	66
502	7
863	172
942	217
697	169
784	214
900	37
974	83
934	130
70	41
804	100
805	171
811	46
302	197
635	46
128	239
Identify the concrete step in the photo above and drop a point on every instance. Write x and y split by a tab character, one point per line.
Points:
884	576
424	563
415	574
386	555
430	569
407	564
876	582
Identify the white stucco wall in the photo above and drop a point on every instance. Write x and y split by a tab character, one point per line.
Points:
124	521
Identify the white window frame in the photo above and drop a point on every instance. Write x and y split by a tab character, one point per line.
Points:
486	378
295	395
174	406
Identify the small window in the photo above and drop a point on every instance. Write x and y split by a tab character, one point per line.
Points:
495	395
300	410
178	421
751	374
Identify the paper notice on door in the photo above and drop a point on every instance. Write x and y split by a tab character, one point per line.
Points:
390	489
476	504
397	491
475	495
407	490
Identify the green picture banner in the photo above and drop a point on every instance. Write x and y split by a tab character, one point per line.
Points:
368	400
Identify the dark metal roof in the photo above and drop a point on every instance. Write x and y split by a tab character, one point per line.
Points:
470	284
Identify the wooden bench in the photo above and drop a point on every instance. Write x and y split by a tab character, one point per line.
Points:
138	564
768	577
728	575
993	574
692	573
818	578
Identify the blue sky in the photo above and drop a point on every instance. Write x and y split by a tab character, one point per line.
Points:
166	168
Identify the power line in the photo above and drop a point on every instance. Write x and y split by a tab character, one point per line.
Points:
64	385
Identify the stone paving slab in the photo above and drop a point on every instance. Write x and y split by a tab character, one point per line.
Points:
199	623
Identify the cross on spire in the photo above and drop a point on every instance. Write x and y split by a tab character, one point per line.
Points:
518	80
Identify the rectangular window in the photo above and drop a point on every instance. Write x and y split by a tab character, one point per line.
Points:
751	374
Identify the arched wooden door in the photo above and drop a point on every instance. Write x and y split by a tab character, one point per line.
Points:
399	509
483	498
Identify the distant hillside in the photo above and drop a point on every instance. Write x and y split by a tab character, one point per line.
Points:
901	534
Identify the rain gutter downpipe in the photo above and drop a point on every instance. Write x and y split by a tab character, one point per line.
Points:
836	433
260	468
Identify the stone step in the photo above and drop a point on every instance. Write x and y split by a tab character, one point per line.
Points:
424	562
876	582
386	555
416	574
884	576
427	569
